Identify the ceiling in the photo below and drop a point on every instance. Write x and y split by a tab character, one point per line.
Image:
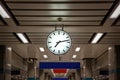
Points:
81	19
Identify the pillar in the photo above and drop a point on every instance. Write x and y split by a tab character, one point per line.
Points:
73	76
41	74
49	77
87	69
32	69
69	77
114	62
5	62
77	75
46	76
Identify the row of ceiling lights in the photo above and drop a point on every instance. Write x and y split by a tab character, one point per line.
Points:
24	39
45	56
95	40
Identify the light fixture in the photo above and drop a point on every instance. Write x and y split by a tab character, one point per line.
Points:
74	56
3	13
97	37
41	49
116	13
45	56
8	65
77	49
109	48
22	37
9	48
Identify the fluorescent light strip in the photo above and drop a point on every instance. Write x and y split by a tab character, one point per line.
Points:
77	49
41	49
45	56
9	48
74	56
22	37
116	13
97	37
3	13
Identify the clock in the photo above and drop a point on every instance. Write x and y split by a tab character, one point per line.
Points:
59	42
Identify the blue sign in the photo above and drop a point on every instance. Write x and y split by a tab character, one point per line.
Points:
59	65
60	79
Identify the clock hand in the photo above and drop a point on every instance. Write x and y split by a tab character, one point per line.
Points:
64	40
60	42
57	43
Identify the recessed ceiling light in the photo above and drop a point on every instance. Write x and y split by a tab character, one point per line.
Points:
116	13
41	49
45	56
97	37
9	48
77	49
22	37
74	56
3	13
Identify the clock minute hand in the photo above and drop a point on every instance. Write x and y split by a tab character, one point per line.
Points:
60	42
64	40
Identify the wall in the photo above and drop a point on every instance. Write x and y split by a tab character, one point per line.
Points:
102	60
18	62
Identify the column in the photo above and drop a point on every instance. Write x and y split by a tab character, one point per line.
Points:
77	75
41	74
87	69
32	69
73	76
114	62
5	62
69	77
49	77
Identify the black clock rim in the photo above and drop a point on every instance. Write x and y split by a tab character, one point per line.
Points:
67	50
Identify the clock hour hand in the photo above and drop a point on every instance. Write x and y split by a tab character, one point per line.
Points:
57	43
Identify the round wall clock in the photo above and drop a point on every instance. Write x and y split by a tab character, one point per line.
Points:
59	42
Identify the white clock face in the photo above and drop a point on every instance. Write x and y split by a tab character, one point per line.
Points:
58	42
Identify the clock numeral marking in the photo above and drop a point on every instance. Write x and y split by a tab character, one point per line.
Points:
63	33
54	33
50	37
50	47
58	51
67	37
54	50
67	47
58	32
49	42
63	50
